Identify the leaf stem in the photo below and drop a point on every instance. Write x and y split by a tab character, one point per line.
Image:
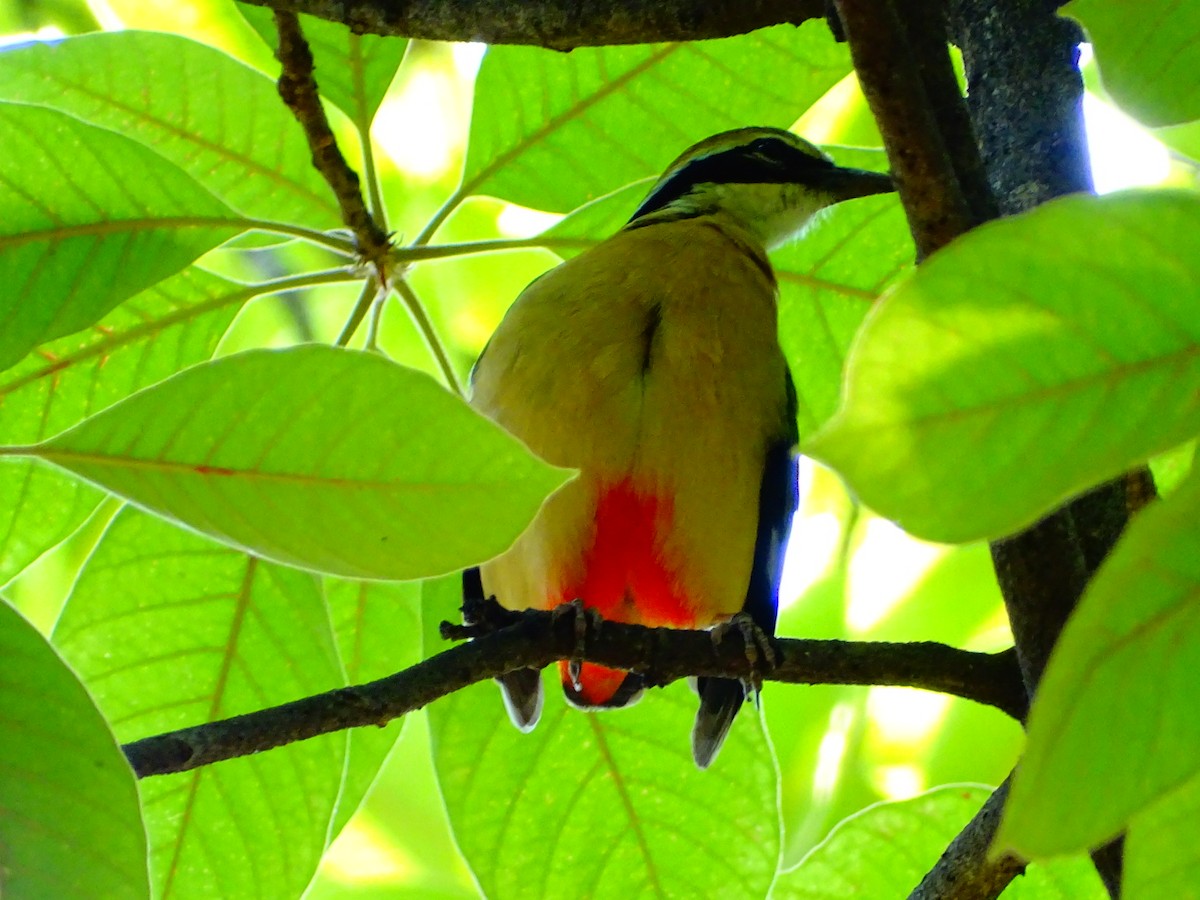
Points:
308	279
439	217
416	253
362	123
370	174
417	311
341	245
372	341
365	299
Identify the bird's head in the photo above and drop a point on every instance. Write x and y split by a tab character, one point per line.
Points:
768	179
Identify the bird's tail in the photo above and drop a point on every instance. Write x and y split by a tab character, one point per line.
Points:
720	700
522	692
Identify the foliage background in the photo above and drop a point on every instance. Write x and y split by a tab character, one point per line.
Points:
548	132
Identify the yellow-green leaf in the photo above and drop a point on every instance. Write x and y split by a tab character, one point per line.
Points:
70	823
1147	55
334	460
1026	362
1114	728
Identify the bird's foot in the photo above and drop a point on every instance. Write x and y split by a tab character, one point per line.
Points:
759	652
582	617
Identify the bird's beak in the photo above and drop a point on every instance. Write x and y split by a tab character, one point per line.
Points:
845	184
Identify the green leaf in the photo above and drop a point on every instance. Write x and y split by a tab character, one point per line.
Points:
554	130
378	630
176	323
1183	138
1162	850
604	804
41	507
353	71
828	280
215	118
168	630
334	460
87	219
70	824
1120	687
885	851
1147	55
1028	361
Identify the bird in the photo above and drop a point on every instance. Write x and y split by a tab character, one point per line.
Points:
651	364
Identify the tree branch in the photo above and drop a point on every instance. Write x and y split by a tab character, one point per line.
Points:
557	24
298	89
1026	96
1025	93
895	86
537	639
964	871
903	66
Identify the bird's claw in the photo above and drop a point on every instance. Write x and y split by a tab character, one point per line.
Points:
759	652
582	615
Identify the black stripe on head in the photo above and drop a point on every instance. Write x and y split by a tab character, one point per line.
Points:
767	160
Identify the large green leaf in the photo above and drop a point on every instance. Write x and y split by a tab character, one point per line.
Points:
87	219
1029	360
173	324
215	118
70	825
378	629
352	70
1114	725
167	630
885	851
603	804
334	460
1147	55
1162	850
553	130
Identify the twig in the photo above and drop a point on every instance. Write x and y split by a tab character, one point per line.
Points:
537	639
904	69
1026	96
557	24
298	88
965	872
926	29
934	200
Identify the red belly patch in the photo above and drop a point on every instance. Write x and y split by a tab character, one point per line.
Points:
625	578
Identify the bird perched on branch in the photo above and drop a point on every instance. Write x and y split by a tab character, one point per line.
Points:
651	363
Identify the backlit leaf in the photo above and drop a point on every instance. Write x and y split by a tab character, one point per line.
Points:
1113	728
1029	360
173	324
352	70
885	851
1147	55
168	629
334	460
215	118
553	130
87	219
70	824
